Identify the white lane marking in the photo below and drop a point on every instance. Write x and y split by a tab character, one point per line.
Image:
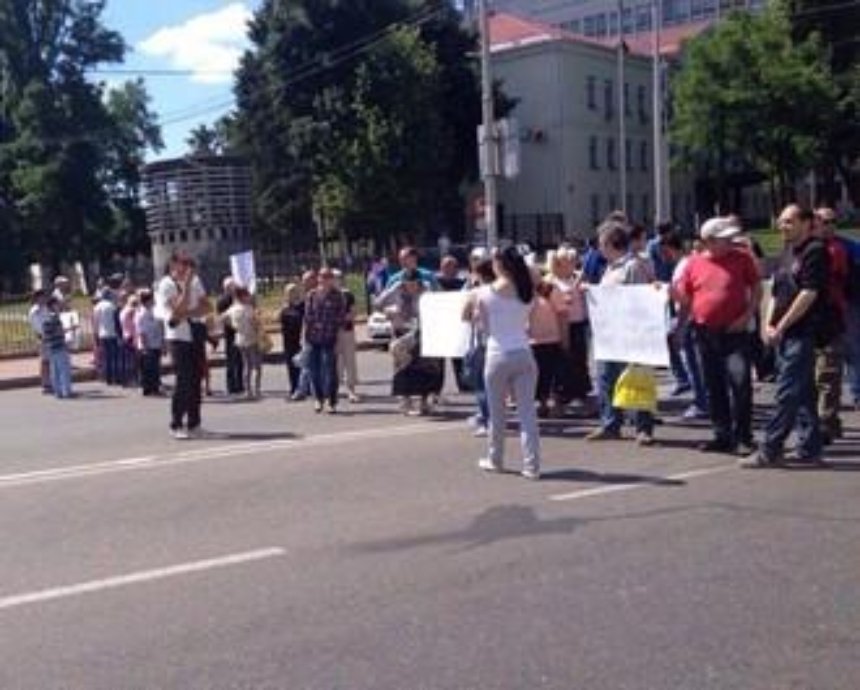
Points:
138	578
202	454
601	490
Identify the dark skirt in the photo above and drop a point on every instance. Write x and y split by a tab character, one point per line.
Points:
421	377
574	380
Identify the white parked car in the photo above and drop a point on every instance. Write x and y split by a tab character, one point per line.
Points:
379	328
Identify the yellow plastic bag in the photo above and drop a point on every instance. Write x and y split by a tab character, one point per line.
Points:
636	389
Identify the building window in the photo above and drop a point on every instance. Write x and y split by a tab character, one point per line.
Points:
610	154
627	21
643	18
590	26
183	236
592	153
646	207
608	99
595	209
613	203
626	99
641	96
643	156
602	28
629	209
591	90
613	23
628	154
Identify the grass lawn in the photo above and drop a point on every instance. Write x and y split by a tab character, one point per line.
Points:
771	240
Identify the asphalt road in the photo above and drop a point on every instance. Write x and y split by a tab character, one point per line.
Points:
366	551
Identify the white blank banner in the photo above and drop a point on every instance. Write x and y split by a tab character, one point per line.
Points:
629	324
443	331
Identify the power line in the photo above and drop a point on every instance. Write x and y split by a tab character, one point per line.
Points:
322	63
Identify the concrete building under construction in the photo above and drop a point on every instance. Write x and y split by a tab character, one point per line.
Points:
202	204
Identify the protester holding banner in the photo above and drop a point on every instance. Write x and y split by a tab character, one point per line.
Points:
504	308
415	377
721	288
623	268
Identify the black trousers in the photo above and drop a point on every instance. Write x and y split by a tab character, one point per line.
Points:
727	369
549	358
185	405
234	365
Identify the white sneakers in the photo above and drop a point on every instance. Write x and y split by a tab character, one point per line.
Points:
488	465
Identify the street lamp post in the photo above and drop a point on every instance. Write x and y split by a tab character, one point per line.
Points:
489	142
622	109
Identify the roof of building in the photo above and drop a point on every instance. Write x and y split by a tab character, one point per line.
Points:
509	31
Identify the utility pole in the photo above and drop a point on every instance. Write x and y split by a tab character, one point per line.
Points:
659	206
490	142
622	105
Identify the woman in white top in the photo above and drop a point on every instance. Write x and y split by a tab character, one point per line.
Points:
504	308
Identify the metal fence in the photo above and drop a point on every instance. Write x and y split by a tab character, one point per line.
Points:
17	337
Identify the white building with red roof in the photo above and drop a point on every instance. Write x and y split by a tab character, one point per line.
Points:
568	112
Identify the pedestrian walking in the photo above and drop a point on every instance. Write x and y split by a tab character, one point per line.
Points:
36	318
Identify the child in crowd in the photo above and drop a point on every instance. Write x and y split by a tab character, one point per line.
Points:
545	335
243	317
54	338
150	342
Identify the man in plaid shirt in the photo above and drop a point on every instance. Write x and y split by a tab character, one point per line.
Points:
325	315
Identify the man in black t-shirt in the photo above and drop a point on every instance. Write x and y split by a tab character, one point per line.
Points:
799	319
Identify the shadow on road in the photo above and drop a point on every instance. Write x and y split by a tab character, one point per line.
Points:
502	523
589	477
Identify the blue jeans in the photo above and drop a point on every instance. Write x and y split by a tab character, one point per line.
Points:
694	367
322	367
110	360
796	400
852	349
61	372
727	366
611	418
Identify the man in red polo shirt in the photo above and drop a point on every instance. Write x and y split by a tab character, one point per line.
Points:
830	346
721	288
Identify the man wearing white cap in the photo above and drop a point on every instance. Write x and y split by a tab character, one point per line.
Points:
721	288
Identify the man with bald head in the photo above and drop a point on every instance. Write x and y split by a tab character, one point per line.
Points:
799	318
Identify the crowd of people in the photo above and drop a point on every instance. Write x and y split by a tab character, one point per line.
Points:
530	347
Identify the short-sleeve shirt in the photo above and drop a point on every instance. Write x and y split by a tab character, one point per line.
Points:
544	327
104	314
241	317
720	287
167	293
806	268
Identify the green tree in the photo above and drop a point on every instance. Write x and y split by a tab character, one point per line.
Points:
835	23
55	126
361	114
748	97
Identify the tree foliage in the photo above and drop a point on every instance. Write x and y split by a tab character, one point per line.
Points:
750	97
359	114
69	152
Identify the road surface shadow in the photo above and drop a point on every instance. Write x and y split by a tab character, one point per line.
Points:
251	436
609	478
502	523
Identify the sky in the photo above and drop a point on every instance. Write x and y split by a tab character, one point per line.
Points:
204	37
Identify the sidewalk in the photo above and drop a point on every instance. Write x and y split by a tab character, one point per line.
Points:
23	372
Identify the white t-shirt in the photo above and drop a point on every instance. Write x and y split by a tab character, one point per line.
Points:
505	321
241	317
104	314
166	294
